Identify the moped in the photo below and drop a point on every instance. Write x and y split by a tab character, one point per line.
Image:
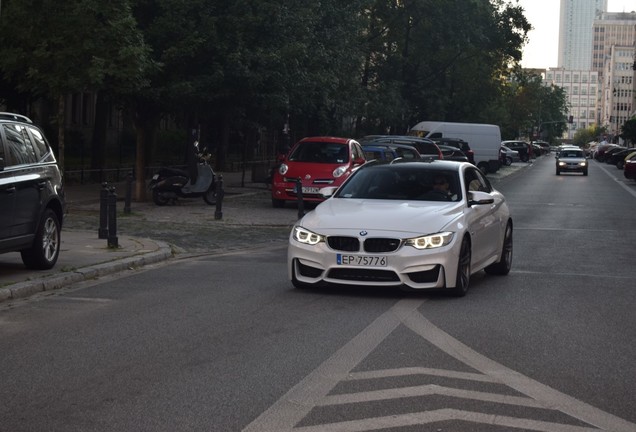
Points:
168	183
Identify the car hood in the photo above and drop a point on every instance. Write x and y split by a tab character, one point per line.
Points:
410	218
314	170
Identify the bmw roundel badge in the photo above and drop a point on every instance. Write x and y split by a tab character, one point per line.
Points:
363	233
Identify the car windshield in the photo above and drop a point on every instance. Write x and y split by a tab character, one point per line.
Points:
572	154
395	182
320	152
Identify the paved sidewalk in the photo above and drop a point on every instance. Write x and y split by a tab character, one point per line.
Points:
152	234
84	256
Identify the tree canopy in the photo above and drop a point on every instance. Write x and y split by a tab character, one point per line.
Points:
236	67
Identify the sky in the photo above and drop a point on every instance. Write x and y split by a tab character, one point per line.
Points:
541	50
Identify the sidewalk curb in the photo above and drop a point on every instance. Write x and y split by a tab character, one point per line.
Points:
53	282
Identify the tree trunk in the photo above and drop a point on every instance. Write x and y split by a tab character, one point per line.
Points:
146	122
61	105
98	145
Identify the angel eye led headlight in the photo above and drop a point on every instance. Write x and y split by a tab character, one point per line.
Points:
302	235
431	241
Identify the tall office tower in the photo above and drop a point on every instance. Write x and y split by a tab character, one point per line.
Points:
575	32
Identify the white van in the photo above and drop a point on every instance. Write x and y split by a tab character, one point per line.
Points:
484	139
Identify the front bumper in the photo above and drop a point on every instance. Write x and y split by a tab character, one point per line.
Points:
407	266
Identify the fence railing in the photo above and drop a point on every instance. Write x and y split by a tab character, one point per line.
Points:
258	168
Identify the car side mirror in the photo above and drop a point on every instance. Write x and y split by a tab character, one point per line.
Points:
479	198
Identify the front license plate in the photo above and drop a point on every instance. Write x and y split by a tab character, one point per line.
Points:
308	190
362	260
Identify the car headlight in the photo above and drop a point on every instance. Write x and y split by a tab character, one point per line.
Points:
305	236
561	163
282	169
584	163
339	171
431	241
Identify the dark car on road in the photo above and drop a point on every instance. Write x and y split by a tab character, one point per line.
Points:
571	160
458	143
524	149
31	193
426	147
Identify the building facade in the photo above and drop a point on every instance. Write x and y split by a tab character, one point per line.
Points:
618	96
581	88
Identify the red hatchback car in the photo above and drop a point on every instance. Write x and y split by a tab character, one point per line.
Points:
318	162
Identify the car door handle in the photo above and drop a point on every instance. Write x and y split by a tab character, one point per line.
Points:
10	189
41	185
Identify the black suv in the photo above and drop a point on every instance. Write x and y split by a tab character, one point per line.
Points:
426	147
524	149
31	193
458	143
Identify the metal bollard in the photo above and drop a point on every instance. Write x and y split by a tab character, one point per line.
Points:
102	232
220	192
129	180
112	219
299	196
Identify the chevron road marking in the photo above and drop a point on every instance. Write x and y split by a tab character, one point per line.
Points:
313	391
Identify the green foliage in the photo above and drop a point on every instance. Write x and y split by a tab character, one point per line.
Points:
234	66
628	131
66	47
584	136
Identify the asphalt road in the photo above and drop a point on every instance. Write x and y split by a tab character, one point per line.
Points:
222	342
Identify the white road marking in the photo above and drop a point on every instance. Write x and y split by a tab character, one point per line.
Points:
314	389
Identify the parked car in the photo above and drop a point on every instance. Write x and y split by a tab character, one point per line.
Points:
571	160
484	139
390	152
629	170
426	147
508	156
618	157
523	148
31	193
318	162
599	155
452	153
387	226
545	146
458	143
609	155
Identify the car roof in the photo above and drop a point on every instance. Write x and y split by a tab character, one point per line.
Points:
432	164
388	145
15	117
410	138
330	139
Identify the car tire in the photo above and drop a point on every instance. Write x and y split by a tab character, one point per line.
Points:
585	172
158	198
508	161
483	166
462	280
524	158
277	203
209	196
558	172
45	250
620	164
502	267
